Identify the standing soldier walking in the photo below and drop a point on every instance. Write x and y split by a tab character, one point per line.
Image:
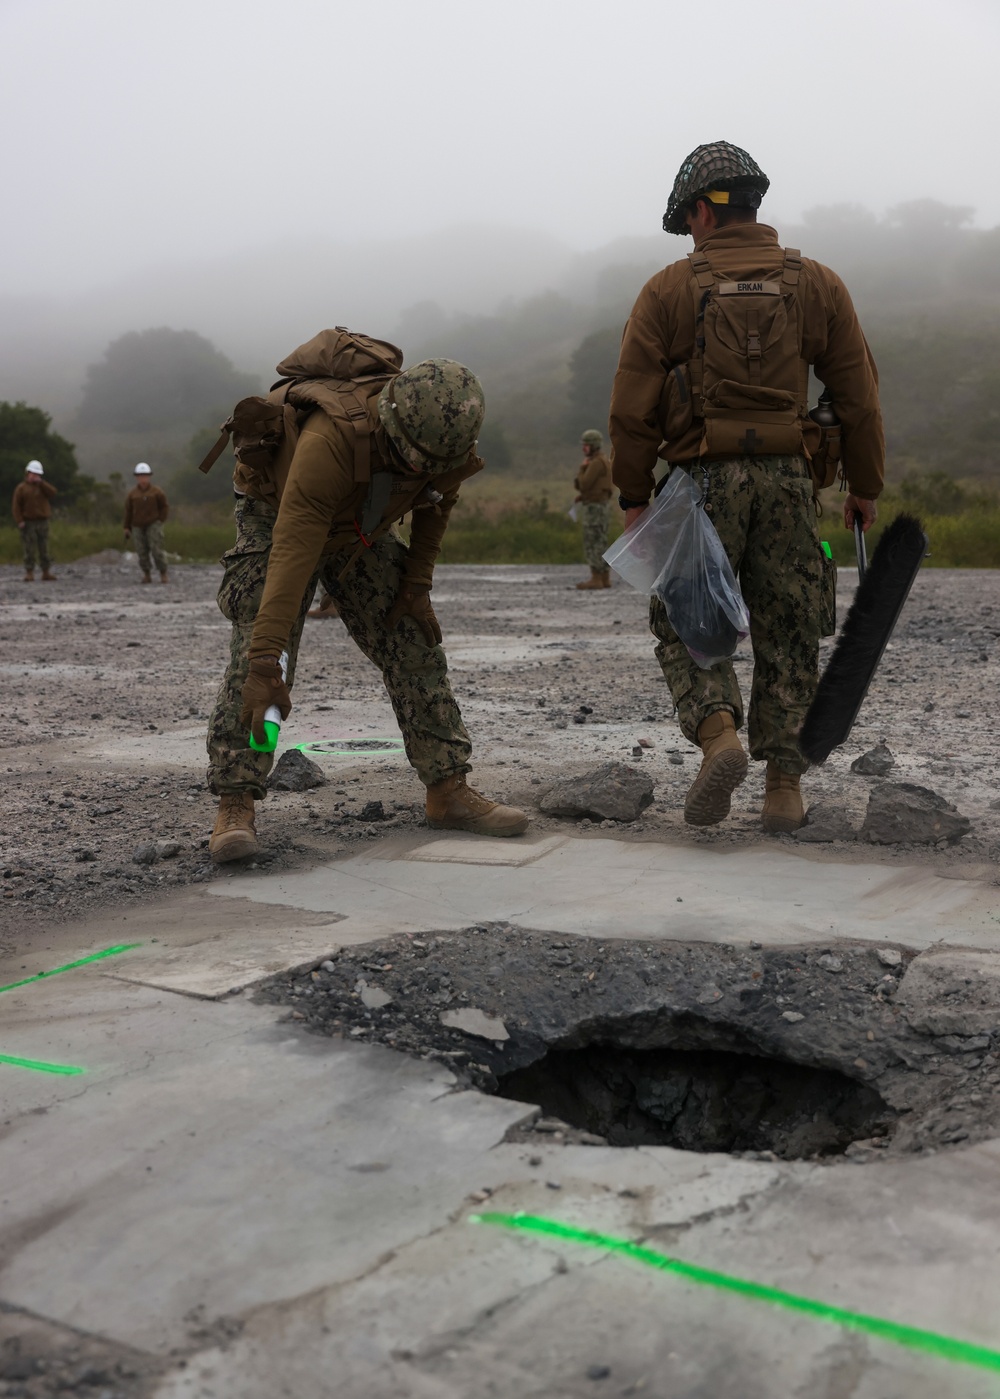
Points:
32	509
146	511
594	488
715	365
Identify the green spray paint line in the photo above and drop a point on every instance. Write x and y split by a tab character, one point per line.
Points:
931	1342
94	957
39	1065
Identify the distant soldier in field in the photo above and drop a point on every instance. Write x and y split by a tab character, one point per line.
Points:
146	511
32	508
594	488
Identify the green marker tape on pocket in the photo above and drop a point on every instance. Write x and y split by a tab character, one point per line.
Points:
272	717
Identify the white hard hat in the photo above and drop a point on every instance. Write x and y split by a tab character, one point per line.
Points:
143	469
36	467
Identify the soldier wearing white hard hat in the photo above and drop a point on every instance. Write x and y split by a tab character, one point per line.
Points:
146	510
32	508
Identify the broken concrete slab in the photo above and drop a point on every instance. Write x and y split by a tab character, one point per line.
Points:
614	792
484	850
472	1021
903	813
952	993
601	887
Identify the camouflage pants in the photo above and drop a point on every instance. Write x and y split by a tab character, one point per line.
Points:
763	510
149	540
35	540
596	519
415	674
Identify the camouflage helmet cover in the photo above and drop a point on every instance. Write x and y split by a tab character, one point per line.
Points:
433	413
592	437
717	166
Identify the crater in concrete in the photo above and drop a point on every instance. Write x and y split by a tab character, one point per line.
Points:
805	1051
703	1101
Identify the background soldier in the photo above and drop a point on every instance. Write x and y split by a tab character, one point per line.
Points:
420	431
146	511
715	361
594	489
32	508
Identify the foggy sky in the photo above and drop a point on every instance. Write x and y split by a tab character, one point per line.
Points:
145	134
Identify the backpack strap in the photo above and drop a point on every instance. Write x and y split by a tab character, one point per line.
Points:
217	449
705	283
791	268
356	411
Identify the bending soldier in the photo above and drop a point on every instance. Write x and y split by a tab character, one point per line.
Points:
715	364
406	446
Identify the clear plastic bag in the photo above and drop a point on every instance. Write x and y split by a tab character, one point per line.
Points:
674	552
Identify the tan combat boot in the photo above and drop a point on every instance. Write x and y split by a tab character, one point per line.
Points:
163	577
597	579
723	768
327	608
783	811
234	836
452	806
145	578
29	575
48	576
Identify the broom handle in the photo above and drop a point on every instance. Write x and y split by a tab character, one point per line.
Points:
860	549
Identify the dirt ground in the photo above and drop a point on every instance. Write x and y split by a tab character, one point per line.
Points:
107	685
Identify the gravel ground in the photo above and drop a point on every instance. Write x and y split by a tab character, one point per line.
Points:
105	682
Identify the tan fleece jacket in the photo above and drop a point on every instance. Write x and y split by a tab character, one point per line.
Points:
317	514
143	507
32	501
660	334
593	480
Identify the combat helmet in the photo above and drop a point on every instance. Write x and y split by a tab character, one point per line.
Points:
592	438
433	413
716	169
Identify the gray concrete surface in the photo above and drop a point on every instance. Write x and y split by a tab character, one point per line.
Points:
278	1209
613	888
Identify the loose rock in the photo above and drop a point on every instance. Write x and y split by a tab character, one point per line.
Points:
614	792
294	772
168	849
904	813
876	762
889	956
145	853
825	823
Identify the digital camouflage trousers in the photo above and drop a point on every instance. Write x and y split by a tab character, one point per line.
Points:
763	510
415	674
596	520
149	541
35	540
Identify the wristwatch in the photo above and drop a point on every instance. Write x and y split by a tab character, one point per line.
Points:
632	504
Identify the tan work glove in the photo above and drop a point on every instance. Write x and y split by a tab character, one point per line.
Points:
415	601
262	688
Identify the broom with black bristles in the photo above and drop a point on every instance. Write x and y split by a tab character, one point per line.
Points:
882	590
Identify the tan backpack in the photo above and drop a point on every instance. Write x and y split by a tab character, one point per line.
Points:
338	371
749	382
